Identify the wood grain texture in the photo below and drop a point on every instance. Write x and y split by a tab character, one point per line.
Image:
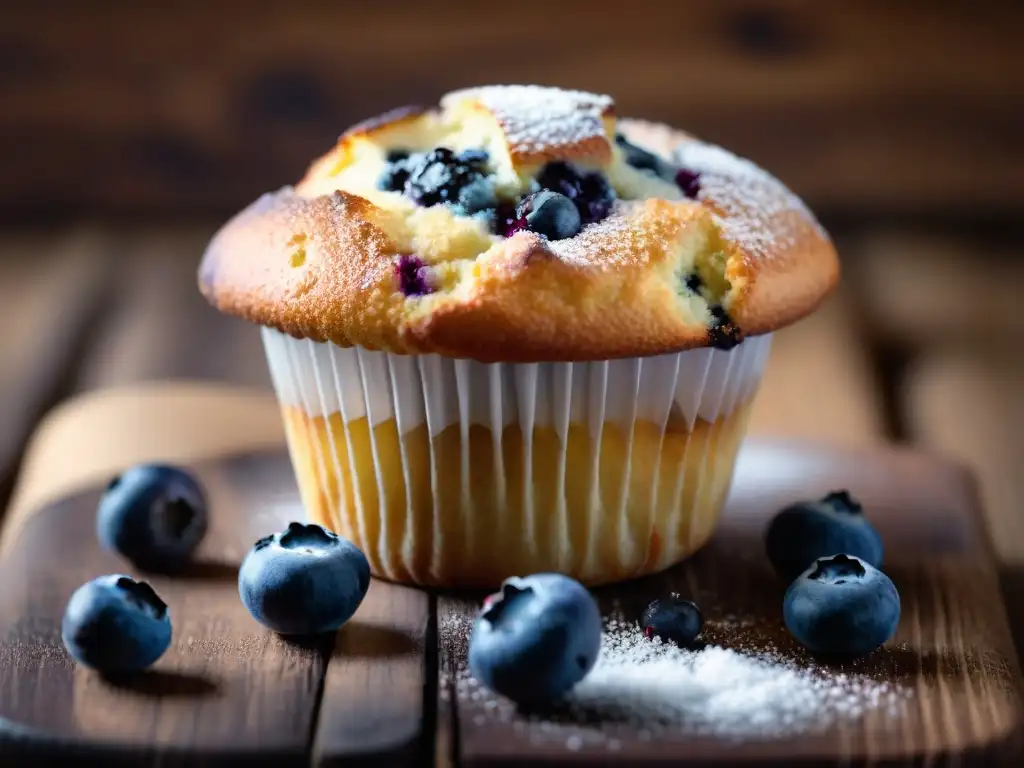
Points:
952	650
372	711
51	289
158	326
818	383
228	691
921	288
882	106
226	688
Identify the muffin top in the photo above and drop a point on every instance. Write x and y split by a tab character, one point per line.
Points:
523	224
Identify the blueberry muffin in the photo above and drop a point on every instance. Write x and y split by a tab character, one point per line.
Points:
513	333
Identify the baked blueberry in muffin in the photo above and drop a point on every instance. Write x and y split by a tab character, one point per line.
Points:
514	332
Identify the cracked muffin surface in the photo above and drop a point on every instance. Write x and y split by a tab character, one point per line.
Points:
523	224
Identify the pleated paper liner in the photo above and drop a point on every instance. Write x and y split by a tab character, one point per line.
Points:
457	473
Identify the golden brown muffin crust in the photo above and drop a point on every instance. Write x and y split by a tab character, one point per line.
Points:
325	260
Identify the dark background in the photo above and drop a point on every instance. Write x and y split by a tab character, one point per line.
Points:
887	108
129	131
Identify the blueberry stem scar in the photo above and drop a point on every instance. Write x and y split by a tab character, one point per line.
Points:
494	607
844	501
143	595
839	565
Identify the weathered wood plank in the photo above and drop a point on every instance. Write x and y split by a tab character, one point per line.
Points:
819	383
952	651
227	691
202	107
51	290
159	326
372	708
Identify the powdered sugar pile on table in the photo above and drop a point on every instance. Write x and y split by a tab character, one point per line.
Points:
647	688
718	690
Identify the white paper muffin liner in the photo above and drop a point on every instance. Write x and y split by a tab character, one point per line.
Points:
323	379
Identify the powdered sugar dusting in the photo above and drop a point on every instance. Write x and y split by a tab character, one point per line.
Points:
539	121
758	212
646	690
610	243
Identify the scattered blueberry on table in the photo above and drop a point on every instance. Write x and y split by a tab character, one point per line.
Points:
304	580
808	530
672	619
842	605
154	515
536	638
116	624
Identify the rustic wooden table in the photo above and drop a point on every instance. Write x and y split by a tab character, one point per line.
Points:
903	352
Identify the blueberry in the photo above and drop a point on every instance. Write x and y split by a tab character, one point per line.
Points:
440	176
559	176
673	619
394	176
688	182
550	214
477	195
473	157
808	530
506	222
843	606
590	192
536	638
413	279
595	199
723	333
304	580
437	177
154	515
640	158
116	624
693	283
